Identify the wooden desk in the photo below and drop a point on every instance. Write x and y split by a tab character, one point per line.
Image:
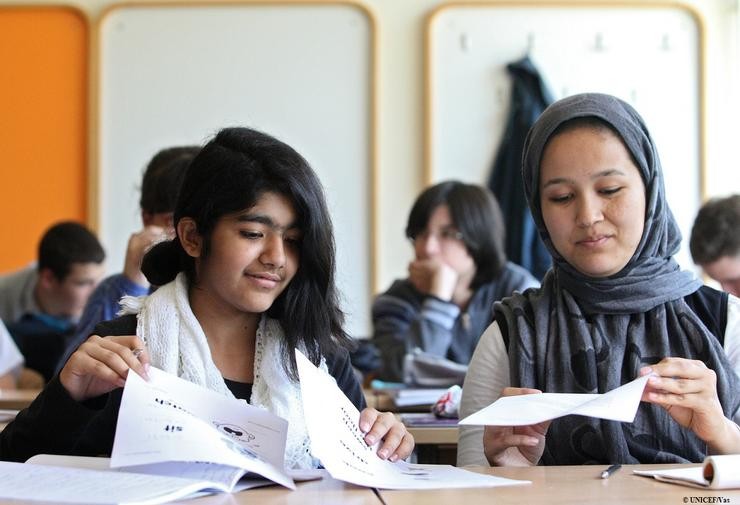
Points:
567	485
434	444
17	398
379	400
446	435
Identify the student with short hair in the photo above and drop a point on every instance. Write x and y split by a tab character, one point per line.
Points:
715	241
160	185
248	278
41	304
459	270
69	266
615	306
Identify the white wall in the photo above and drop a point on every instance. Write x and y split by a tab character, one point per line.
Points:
400	137
401	24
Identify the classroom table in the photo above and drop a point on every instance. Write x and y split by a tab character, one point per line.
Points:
434	443
17	398
434	435
568	485
550	486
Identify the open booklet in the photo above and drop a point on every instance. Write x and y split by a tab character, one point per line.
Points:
717	472
619	404
169	426
333	425
29	481
173	439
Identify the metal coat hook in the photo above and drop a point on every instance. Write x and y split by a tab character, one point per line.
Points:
665	43
465	42
599	42
530	43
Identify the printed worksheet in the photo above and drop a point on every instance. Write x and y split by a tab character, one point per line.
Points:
333	425
619	404
170	426
30	482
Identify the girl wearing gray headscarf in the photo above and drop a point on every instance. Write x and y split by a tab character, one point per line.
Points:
614	306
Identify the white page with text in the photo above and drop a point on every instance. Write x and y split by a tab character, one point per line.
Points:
169	420
333	425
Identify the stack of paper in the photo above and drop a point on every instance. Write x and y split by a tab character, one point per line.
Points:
408	397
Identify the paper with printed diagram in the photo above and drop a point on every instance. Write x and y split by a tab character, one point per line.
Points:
170	426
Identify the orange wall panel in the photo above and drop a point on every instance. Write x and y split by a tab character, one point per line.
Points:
43	125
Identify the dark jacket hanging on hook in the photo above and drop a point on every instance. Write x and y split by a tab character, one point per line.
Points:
529	97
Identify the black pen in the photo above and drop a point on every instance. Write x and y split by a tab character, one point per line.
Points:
606	473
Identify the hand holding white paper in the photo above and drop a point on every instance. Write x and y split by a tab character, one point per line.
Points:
619	404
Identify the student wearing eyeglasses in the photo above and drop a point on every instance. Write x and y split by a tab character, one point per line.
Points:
459	270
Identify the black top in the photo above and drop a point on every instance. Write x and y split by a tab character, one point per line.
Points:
56	424
240	390
41	339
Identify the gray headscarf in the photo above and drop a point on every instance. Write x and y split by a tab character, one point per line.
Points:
580	334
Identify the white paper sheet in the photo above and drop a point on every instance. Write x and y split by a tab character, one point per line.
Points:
174	469
414	396
717	472
619	404
333	425
168	419
25	481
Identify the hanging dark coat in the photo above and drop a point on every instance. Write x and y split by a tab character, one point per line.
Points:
529	97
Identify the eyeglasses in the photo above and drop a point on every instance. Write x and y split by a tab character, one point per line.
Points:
443	235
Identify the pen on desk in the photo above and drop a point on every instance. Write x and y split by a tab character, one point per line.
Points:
606	473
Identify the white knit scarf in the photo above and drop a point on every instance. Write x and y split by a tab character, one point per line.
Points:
176	344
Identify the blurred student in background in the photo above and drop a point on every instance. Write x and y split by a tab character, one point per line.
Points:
41	304
459	270
715	242
160	185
